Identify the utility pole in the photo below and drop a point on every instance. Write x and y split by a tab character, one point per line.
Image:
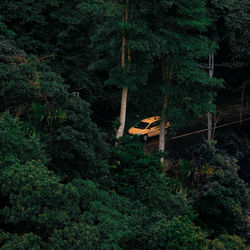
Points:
209	114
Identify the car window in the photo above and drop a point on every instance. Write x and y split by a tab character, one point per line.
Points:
141	125
154	124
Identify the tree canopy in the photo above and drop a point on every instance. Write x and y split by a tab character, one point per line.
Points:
66	182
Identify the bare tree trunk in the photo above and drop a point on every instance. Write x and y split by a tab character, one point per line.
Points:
163	123
166	76
209	114
217	118
120	130
209	126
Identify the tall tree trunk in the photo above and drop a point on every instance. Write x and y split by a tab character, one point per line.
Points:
209	126
209	114
163	123
166	77
120	130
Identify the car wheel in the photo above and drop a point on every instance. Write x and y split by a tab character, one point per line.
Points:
145	137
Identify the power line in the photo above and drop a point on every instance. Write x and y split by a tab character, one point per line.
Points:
204	130
226	65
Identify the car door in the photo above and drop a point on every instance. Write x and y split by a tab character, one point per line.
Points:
154	128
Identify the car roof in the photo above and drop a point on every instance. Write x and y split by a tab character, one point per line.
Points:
151	119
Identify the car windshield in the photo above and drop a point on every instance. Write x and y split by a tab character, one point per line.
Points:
141	125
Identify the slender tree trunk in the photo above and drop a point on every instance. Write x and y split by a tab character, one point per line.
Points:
209	126
209	114
163	123
120	130
216	119
166	76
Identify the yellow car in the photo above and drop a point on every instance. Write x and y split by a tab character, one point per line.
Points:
148	127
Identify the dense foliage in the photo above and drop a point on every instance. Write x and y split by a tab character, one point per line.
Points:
66	184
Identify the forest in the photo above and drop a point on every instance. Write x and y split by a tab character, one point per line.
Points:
75	75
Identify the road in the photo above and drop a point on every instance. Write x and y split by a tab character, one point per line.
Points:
187	137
